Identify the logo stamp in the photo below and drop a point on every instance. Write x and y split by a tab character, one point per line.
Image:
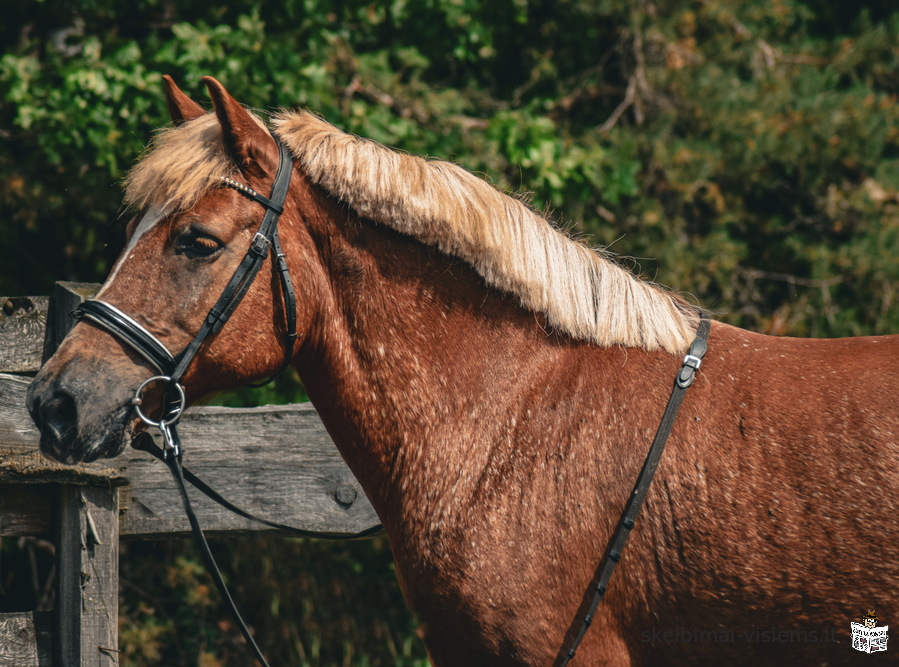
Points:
867	636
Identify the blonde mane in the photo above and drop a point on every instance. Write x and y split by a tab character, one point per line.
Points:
580	290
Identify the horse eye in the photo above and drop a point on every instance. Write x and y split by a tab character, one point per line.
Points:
197	245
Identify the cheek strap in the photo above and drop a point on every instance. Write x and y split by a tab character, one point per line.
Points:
148	346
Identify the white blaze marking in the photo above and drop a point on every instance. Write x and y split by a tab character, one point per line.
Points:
151	217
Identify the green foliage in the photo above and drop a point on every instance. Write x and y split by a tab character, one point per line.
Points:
749	148
322	604
746	150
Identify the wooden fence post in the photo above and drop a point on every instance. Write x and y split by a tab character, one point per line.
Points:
87	603
88	585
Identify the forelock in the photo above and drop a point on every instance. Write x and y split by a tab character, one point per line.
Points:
180	165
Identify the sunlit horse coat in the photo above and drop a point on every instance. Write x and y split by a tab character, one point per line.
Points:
494	385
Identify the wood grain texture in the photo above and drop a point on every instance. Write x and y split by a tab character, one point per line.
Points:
26	509
16	428
22	323
87	585
66	297
87	542
276	461
25	639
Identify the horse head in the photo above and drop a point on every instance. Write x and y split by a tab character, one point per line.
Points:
190	233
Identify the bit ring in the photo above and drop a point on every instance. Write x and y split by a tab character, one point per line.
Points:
174	415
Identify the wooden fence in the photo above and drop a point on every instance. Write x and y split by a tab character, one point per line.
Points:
275	461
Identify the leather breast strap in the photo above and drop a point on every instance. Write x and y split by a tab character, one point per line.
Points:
615	547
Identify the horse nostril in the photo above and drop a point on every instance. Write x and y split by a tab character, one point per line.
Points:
58	419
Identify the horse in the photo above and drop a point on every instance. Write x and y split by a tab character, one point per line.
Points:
493	384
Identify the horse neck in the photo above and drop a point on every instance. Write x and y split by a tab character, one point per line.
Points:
410	345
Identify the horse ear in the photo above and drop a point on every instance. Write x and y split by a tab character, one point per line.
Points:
251	146
181	107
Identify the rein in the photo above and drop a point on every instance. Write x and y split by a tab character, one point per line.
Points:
172	368
615	547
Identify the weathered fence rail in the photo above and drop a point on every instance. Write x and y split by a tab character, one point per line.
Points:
274	461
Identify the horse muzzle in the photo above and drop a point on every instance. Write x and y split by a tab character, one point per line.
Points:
79	418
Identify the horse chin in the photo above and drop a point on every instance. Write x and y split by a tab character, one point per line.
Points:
108	440
109	446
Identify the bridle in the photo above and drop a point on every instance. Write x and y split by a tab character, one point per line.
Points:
172	368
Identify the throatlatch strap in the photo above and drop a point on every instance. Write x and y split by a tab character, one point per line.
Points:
290	307
614	549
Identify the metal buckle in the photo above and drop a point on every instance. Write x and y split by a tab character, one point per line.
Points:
170	447
688	370
693	361
259	246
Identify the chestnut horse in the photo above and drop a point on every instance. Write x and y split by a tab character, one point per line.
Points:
495	385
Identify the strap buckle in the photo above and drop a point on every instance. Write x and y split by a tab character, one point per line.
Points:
688	370
260	245
693	361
